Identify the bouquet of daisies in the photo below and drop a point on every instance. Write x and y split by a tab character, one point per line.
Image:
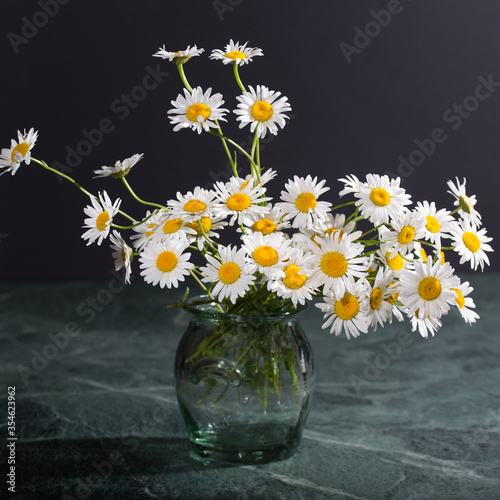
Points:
374	257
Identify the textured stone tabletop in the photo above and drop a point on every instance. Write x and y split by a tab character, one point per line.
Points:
394	416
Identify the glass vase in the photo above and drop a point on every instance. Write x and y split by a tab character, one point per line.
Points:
244	384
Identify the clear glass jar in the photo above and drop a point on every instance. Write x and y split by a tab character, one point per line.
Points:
244	384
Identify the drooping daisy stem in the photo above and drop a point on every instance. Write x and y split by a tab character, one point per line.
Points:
82	189
237	76
60	174
180	67
136	198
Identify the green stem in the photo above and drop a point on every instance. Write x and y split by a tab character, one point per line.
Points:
226	149
343	205
180	67
235	144
237	76
136	198
206	290
68	178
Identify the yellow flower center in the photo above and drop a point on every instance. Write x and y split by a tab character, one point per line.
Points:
22	148
101	221
334	264
193	206
460	298
205	222
265	256
347	307
380	197
229	273
238	202
464	205
198	110
376	298
264	226
150	233
396	263
305	202
429	288
172	226
245	184
262	111
471	241
423	254
406	235
442	257
166	261
235	54
293	279
432	225
331	231
126	253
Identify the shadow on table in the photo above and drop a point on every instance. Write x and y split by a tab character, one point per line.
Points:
80	458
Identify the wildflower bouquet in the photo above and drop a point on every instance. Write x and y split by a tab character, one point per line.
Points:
367	260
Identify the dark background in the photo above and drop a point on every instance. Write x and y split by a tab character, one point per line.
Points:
69	73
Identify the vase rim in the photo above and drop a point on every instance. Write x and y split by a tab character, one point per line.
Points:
208	310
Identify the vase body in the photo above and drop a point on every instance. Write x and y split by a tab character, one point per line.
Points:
244	384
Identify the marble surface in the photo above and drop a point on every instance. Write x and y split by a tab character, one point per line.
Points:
394	416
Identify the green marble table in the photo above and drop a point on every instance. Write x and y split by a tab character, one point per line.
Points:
394	416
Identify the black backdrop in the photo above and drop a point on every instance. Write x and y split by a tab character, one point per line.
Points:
367	81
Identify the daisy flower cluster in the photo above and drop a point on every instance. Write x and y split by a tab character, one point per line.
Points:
372	258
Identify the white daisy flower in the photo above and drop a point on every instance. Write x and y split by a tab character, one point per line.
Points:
392	260
193	205
100	216
263	109
146	229
120	168
122	254
231	275
407	228
348	313
267	254
179	57
381	198
428	289
171	225
438	222
234	53
464	303
380	297
351	185
271	220
251	180
11	158
240	203
209	224
424	325
164	263
337	261
332	225
198	110
298	283
464	202
471	244
421	254
300	201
